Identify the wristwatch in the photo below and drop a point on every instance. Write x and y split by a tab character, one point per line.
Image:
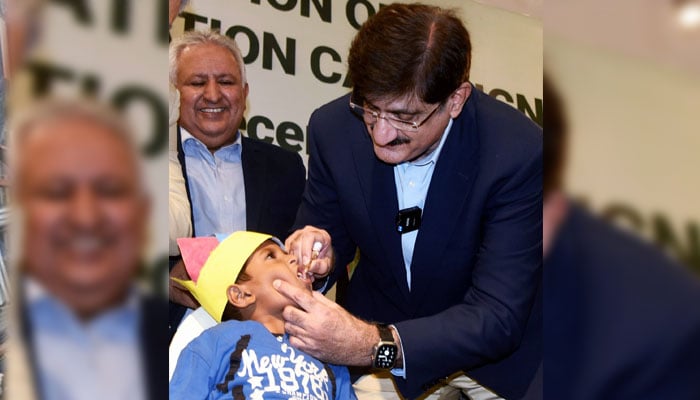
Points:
386	351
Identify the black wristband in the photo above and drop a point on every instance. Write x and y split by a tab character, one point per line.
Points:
385	333
386	351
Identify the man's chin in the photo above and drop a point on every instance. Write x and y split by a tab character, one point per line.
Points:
390	155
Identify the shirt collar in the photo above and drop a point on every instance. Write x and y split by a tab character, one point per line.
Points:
194	147
432	157
38	298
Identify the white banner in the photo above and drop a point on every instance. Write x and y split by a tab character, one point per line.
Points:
295	51
117	52
296	55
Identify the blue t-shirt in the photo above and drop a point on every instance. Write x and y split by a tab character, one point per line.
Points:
243	360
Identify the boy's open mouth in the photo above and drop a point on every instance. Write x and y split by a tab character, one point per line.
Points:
307	278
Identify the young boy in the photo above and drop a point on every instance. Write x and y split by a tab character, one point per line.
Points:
249	357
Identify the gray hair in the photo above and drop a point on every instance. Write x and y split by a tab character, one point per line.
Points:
194	38
49	110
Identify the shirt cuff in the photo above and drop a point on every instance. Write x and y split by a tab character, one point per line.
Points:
400	372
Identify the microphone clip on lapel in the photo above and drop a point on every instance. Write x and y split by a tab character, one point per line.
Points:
408	219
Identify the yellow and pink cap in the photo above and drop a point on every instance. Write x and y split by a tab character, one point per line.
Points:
214	263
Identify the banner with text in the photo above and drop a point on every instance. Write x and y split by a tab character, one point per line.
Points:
296	56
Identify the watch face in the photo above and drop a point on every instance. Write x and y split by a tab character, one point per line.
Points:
385	357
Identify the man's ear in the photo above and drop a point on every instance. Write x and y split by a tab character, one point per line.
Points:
554	211
458	98
239	296
246	90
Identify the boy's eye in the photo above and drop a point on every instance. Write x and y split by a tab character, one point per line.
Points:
270	255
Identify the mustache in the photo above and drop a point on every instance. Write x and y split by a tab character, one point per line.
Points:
398	141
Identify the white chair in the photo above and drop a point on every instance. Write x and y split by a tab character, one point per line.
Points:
194	323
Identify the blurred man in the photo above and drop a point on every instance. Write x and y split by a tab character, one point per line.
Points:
233	182
439	186
179	224
87	331
21	25
621	319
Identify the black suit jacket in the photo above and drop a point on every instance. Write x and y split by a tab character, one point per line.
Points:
622	320
154	342
274	181
476	265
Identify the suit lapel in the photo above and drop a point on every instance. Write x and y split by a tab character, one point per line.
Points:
254	177
154	339
449	189
379	190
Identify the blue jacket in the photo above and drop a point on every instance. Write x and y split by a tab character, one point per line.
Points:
621	318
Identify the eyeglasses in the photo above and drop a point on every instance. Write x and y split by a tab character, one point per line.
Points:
371	117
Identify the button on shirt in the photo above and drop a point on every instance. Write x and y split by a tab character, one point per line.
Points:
412	182
216	186
78	360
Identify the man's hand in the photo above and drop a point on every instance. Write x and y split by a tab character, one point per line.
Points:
301	242
177	293
325	330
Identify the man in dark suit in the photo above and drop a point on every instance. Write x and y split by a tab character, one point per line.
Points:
232	182
621	317
439	186
87	330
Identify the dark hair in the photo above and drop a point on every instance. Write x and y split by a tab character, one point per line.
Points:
410	49
555	128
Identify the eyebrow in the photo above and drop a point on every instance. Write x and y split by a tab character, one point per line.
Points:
204	75
396	110
271	246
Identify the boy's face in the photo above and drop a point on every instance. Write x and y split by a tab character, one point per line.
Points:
270	262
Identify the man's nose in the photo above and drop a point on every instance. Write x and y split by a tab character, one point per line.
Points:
85	209
212	91
383	132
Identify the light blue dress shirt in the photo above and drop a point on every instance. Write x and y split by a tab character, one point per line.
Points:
412	182
217	190
85	360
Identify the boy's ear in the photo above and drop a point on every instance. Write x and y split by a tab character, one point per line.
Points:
239	296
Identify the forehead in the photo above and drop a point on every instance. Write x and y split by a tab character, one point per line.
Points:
406	103
268	245
207	58
75	144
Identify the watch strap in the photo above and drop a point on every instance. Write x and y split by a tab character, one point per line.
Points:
385	352
385	333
